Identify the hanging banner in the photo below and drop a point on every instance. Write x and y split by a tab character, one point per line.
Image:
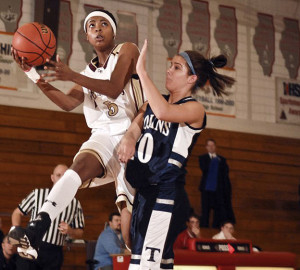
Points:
10	15
221	106
169	24
7	65
264	42
288	101
198	26
226	34
127	27
289	46
65	40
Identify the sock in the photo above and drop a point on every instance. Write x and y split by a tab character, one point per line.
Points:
61	194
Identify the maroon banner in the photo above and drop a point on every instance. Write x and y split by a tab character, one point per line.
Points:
10	15
264	42
290	46
169	23
127	27
86	47
198	26
226	34
64	39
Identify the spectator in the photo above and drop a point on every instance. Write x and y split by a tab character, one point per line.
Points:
1	233
69	222
109	242
7	255
227	230
215	187
192	231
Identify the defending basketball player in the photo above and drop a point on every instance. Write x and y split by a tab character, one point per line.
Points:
159	142
111	95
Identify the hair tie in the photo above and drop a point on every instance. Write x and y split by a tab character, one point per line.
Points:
188	60
211	63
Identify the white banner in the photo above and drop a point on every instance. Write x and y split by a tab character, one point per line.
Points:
223	106
288	101
7	66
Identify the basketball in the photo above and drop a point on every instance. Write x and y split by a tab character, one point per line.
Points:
34	41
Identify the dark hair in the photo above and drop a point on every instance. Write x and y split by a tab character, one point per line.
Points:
225	222
194	216
113	214
206	71
210	140
109	14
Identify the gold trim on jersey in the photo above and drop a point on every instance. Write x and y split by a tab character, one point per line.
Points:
137	91
87	183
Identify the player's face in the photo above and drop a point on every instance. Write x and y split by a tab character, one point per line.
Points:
115	223
177	74
99	32
58	173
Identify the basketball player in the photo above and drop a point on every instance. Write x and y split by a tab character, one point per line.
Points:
111	95
166	128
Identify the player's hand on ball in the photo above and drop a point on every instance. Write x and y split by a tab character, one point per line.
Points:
141	63
126	149
58	71
19	60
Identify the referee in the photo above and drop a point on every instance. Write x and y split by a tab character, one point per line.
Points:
69	222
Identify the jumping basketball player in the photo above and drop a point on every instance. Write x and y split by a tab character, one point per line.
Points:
111	95
166	129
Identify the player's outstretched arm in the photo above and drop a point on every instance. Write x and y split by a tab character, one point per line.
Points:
66	102
113	87
190	112
127	144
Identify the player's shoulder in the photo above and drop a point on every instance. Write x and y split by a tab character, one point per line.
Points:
129	48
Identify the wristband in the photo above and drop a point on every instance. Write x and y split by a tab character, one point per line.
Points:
33	75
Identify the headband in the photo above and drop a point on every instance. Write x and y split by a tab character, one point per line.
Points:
101	14
188	60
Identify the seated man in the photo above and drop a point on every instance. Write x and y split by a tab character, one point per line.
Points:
8	255
227	230
192	231
109	242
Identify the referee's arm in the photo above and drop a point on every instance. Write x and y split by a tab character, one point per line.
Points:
75	233
16	217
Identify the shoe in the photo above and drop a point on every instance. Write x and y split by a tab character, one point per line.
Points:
28	240
28	253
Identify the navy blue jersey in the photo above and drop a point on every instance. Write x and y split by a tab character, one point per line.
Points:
162	150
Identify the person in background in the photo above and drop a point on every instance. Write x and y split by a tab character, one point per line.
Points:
8	255
109	242
215	187
192	231
70	222
1	233
226	232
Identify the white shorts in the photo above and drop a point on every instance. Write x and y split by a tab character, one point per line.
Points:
104	147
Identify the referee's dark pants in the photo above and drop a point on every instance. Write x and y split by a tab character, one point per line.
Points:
50	257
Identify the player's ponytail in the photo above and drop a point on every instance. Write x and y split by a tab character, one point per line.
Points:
205	69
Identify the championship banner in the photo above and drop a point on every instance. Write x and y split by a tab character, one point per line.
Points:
288	101
127	27
221	106
7	66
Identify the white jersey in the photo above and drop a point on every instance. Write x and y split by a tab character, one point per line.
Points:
113	116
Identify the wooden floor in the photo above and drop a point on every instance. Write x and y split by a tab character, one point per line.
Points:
264	172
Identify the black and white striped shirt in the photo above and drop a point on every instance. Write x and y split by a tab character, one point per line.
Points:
72	215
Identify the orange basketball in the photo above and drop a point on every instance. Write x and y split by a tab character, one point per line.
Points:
35	41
